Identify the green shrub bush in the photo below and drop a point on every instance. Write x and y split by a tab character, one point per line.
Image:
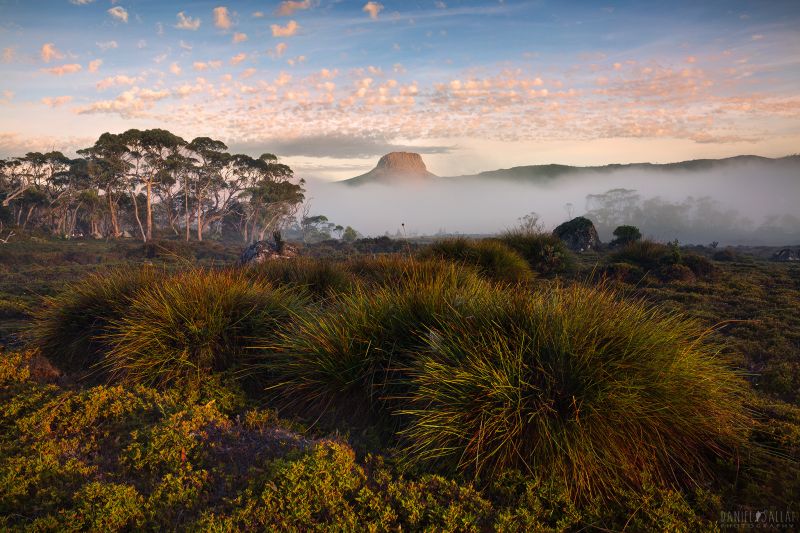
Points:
194	324
492	259
645	253
71	326
544	252
577	385
626	234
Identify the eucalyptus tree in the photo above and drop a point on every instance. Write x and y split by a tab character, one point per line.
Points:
108	167
215	186
149	151
273	195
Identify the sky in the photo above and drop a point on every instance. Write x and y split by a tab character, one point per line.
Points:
331	85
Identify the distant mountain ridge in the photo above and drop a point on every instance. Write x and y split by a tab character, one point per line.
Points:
404	166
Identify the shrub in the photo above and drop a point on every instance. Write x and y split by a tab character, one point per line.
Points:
545	253
626	234
319	277
350	363
196	323
701	266
576	385
726	255
644	253
493	259
71	327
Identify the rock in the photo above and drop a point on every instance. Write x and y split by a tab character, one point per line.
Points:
395	167
787	254
579	234
262	251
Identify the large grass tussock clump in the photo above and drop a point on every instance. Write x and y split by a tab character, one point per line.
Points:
492	258
578	385
71	326
197	323
351	361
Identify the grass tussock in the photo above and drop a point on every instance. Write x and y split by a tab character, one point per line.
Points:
544	252
71	326
196	323
492	259
320	278
392	271
596	392
351	361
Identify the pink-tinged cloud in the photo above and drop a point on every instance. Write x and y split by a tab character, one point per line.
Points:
8	54
285	31
372	8
56	101
131	103
202	66
116	81
238	58
118	13
187	23
247	73
280	49
288	7
94	65
50	52
70	68
222	18
175	69
239	38
6	97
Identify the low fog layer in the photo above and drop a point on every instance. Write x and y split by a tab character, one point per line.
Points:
754	202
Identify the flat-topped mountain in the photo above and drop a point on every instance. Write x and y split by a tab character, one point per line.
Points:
395	167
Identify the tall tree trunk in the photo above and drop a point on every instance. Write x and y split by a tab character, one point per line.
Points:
199	215
186	206
149	211
113	209
138	220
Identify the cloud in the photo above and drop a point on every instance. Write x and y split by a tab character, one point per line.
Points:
286	31
280	48
357	146
80	2
57	101
757	37
175	69
50	52
258	15
440	5
70	68
222	19
107	45
202	66
6	97
238	58
118	13
131	103
288	7
185	46
239	38
247	73
115	81
373	8
94	65
187	23
8	54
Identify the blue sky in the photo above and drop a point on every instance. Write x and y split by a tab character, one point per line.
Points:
331	85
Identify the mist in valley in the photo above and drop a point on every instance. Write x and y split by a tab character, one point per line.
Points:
752	202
